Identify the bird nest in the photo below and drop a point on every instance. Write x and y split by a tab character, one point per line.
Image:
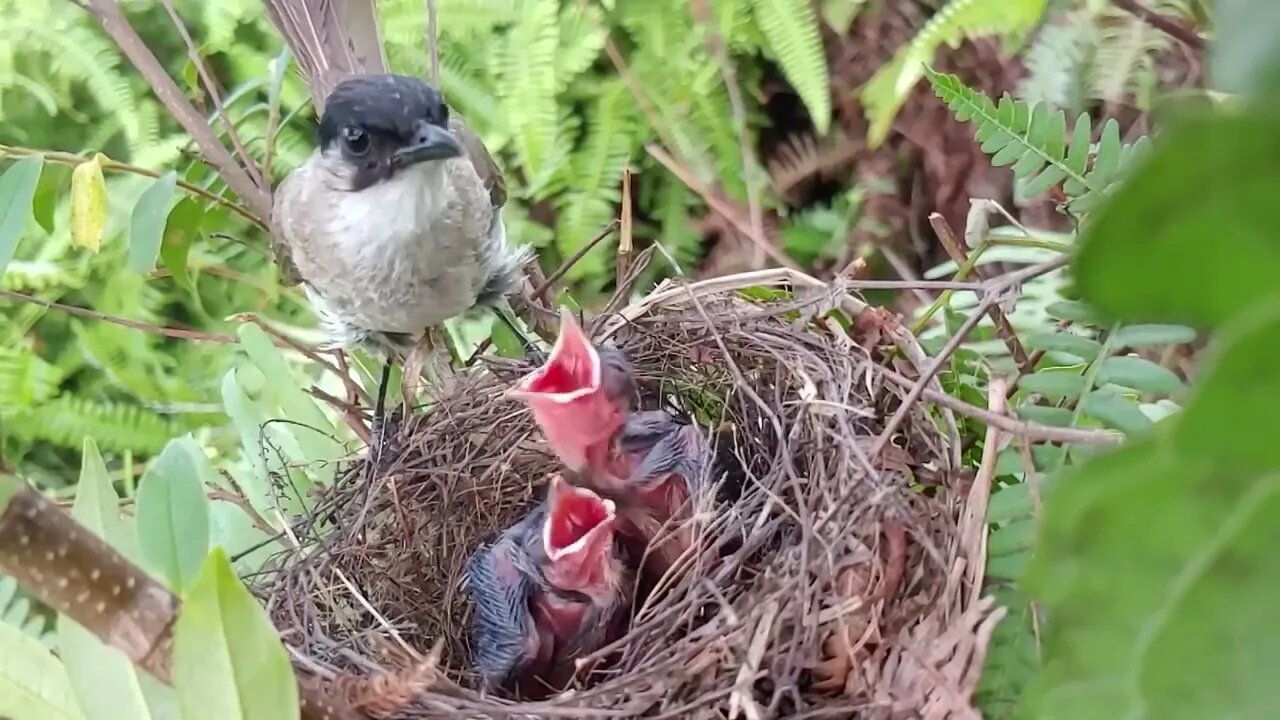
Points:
838	566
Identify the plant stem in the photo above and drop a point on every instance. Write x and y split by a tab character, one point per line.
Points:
71	159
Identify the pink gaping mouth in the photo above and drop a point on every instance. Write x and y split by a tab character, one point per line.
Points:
575	519
572	371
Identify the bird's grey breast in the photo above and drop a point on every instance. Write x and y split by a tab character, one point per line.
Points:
398	256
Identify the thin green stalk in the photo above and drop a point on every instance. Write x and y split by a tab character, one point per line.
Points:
71	159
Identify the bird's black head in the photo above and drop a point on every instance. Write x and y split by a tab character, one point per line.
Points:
382	124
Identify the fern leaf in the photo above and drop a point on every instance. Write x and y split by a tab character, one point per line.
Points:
1055	63
791	27
888	89
67	420
582	36
1033	140
526	67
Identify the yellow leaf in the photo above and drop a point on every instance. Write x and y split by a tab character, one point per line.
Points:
88	204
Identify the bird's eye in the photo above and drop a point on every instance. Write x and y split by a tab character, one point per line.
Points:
356	140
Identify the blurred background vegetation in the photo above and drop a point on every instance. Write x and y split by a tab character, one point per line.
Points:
845	154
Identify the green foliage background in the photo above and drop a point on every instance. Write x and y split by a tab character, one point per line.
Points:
568	95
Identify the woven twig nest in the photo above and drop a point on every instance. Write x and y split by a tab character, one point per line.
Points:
826	585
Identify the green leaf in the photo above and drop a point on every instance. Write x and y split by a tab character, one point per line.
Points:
1013	538
1065	341
33	684
1246	57
147	222
1155	557
1073	311
1152	335
88	204
180	233
791	27
315	432
1152	563
1232	413
1211	177
1140	374
228	661
1053	383
1117	411
1058	417
104	679
17	193
173	513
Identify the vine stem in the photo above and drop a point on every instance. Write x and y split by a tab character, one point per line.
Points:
72	160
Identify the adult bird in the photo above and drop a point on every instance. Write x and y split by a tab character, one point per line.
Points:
547	591
394	223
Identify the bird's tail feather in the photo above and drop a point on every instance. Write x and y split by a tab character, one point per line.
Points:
331	40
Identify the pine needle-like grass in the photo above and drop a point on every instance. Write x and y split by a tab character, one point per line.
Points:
825	583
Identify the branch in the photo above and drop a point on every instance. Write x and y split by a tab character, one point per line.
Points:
64	565
211	87
112	18
72	159
1163	23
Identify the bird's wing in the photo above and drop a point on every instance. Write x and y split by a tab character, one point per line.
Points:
680	450
280	248
331	39
488	170
502	628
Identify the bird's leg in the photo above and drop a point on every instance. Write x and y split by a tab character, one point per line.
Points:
531	351
380	407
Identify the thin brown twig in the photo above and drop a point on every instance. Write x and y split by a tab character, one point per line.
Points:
1163	23
1004	328
701	11
433	40
625	247
72	159
202	70
178	333
721	207
113	20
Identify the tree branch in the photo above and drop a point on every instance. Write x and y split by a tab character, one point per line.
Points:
64	565
1163	23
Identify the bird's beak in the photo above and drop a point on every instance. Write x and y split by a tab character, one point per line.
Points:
432	142
566	398
578	533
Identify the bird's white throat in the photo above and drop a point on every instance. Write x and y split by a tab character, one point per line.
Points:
382	218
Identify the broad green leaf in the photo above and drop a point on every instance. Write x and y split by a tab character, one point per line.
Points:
1140	374
33	684
1232	415
147	222
88	204
1053	383
1152	563
1072	310
1059	417
1117	411
1065	341
314	431
228	661
1149	335
1210	177
1013	538
173	513
105	681
17	193
180	232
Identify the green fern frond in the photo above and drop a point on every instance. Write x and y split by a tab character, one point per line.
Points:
582	36
594	176
68	420
1033	140
1056	63
791	27
888	89
526	68
16	610
1123	65
39	275
26	379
